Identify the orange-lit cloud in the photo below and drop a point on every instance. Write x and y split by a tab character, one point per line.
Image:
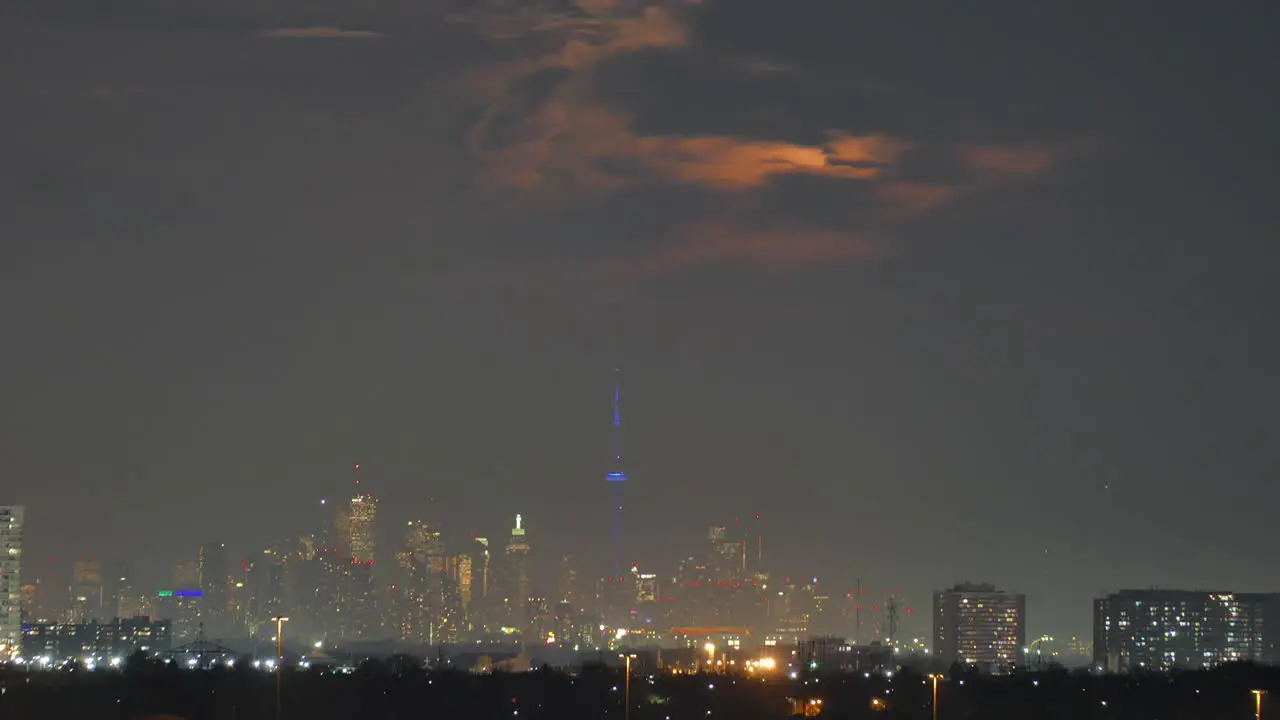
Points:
1016	160
903	198
547	134
717	242
574	144
569	141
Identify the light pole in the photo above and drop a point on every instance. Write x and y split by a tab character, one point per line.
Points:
1257	703
1037	646
279	621
626	693
934	677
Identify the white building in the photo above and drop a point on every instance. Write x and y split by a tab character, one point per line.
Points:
10	578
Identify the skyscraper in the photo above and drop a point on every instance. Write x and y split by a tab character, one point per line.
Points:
214	585
88	591
10	578
355	523
516	582
617	477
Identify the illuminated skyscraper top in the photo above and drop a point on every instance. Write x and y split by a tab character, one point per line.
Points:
358	524
515	583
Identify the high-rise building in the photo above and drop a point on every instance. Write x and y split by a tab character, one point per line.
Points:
424	542
479	594
727	554
10	578
355	523
567	589
1159	630
516	585
88	591
214	586
131	602
437	586
980	626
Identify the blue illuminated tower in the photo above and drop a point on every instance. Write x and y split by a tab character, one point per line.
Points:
617	477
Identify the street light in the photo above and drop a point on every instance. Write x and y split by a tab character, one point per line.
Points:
1257	703
1037	646
711	655
935	677
279	621
626	693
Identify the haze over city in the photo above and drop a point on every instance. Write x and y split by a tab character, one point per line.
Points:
940	295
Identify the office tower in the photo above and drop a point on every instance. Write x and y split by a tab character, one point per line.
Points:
755	550
481	572
424	542
186	575
464	562
727	555
214	587
567	589
617	477
355	523
131	602
1159	630
977	625
515	585
480	600
88	592
10	579
433	590
265	580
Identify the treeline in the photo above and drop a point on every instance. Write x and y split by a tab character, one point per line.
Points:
401	688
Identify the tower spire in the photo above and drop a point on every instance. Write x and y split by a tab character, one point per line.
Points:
617	422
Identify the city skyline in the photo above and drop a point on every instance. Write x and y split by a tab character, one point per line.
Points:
941	295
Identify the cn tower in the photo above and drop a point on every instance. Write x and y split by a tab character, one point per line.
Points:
617	477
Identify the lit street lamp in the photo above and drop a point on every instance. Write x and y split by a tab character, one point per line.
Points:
626	693
935	677
1257	703
279	621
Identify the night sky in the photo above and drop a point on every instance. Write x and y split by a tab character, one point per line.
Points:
944	291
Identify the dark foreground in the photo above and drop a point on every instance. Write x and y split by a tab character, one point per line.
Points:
379	691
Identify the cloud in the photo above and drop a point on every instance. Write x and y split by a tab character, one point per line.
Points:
1015	160
716	242
567	140
905	198
548	135
690	248
759	66
320	32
